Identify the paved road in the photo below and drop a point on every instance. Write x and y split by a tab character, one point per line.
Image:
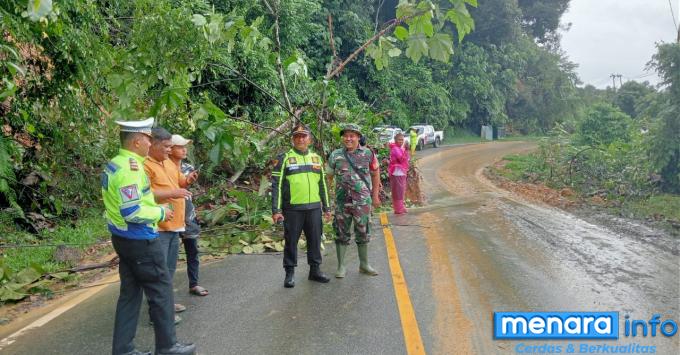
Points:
473	250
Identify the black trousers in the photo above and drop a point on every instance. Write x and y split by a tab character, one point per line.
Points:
142	269
293	224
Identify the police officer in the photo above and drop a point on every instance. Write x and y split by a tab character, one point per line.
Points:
355	191
132	217
299	195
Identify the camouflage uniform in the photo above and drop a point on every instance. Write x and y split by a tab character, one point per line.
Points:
353	195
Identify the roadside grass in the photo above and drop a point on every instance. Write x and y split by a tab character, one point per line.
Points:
519	167
89	229
657	207
528	138
461	137
464	136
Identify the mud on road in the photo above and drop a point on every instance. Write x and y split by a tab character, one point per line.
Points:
492	251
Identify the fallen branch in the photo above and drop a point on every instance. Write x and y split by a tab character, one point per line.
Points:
363	47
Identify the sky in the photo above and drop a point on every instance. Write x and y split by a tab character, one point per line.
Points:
617	37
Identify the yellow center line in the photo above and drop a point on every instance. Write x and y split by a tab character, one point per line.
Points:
409	324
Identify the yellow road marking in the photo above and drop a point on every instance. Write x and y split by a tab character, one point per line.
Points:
409	325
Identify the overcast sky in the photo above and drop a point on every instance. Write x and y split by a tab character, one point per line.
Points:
617	36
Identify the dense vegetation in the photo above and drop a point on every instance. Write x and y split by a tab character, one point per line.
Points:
234	74
624	150
230	72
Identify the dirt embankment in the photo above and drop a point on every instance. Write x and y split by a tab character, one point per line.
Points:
595	208
536	192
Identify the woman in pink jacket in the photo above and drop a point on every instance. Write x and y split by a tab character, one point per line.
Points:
398	170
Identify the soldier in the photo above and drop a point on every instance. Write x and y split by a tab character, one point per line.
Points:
354	194
299	194
132	216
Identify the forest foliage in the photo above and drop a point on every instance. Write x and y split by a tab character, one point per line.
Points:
230	74
233	75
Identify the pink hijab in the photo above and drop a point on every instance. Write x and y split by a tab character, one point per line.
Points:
399	157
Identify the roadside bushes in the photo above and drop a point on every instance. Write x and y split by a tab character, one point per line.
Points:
602	125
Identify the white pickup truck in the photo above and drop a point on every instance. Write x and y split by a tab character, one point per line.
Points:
427	135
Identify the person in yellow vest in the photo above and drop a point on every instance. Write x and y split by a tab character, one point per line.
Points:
132	216
299	196
413	140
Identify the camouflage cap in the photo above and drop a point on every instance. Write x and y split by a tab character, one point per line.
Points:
352	128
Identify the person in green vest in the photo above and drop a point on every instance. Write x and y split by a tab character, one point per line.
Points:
299	196
133	215
413	140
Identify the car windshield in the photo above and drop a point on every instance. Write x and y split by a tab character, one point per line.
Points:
387	134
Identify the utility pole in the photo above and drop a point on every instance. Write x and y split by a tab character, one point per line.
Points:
613	76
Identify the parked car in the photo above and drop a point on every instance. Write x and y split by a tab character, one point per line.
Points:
386	133
427	135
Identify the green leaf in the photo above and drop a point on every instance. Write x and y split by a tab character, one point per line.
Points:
373	51
264	185
401	33
38	9
291	59
236	249
405	9
417	47
462	19
394	52
213	30
379	64
10	88
247	249
27	276
7	294
60	275
258	248
199	20
215	154
14	68
421	25
268	219
441	47
10	50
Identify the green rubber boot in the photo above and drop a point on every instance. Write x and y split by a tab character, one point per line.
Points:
364	267
341	249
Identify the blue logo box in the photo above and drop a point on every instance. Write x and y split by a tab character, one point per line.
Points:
556	325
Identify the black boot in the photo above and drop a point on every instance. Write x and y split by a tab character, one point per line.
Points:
289	282
315	274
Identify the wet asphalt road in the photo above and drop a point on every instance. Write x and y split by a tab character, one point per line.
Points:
473	250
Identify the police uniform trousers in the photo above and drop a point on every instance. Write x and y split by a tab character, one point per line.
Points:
142	268
296	221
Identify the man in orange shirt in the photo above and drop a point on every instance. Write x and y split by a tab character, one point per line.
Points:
169	187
